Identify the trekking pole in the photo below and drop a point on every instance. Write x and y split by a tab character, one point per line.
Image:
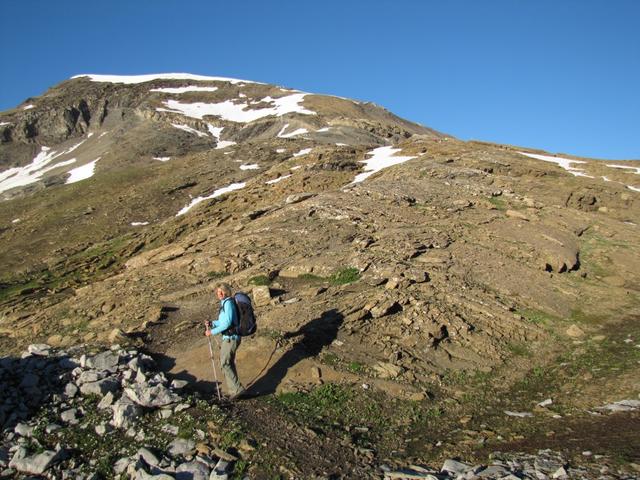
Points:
215	373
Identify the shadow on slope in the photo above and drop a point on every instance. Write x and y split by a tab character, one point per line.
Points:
314	336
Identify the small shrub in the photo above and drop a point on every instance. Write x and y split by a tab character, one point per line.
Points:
214	275
345	276
260	280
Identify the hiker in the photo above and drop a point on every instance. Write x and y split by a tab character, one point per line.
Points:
225	326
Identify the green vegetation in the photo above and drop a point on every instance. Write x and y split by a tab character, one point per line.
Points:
260	280
538	317
499	203
356	367
345	276
519	349
216	275
309	277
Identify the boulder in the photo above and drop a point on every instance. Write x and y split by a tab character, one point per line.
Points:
107	360
192	471
101	387
151	396
180	447
124	413
35	464
261	296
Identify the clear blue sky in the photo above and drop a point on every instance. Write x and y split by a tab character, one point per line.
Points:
560	75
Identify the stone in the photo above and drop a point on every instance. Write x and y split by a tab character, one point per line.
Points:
574	331
70	416
70	390
151	396
40	349
454	467
387	370
518	414
192	471
23	429
298	197
36	464
516	214
117	335
179	384
124	413
89	376
261	296
181	447
55	340
143	475
106	401
149	457
101	429
106	360
101	387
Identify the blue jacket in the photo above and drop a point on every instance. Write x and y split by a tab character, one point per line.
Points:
228	316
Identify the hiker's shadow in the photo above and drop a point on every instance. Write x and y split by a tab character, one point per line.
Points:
313	337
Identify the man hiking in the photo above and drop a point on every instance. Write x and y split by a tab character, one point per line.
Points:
226	326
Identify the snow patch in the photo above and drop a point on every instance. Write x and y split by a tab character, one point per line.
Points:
162	159
281	150
217	193
635	189
2	124
191	88
239	112
561	162
83	172
302	152
216	132
28	107
187	128
279	179
16	220
636	169
21	176
253	166
325	129
299	131
139	224
382	157
132	79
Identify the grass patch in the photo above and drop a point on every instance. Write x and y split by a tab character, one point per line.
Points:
260	280
499	203
310	277
345	276
519	349
537	317
356	367
215	275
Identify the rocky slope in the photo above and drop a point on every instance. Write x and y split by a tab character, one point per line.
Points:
457	266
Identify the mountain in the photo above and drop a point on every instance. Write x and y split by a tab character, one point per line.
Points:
403	258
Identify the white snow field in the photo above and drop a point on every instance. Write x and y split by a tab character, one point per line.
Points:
217	193
187	128
561	162
179	90
239	112
382	157
83	172
21	176
132	79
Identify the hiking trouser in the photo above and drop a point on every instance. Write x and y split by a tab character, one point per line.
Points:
228	364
